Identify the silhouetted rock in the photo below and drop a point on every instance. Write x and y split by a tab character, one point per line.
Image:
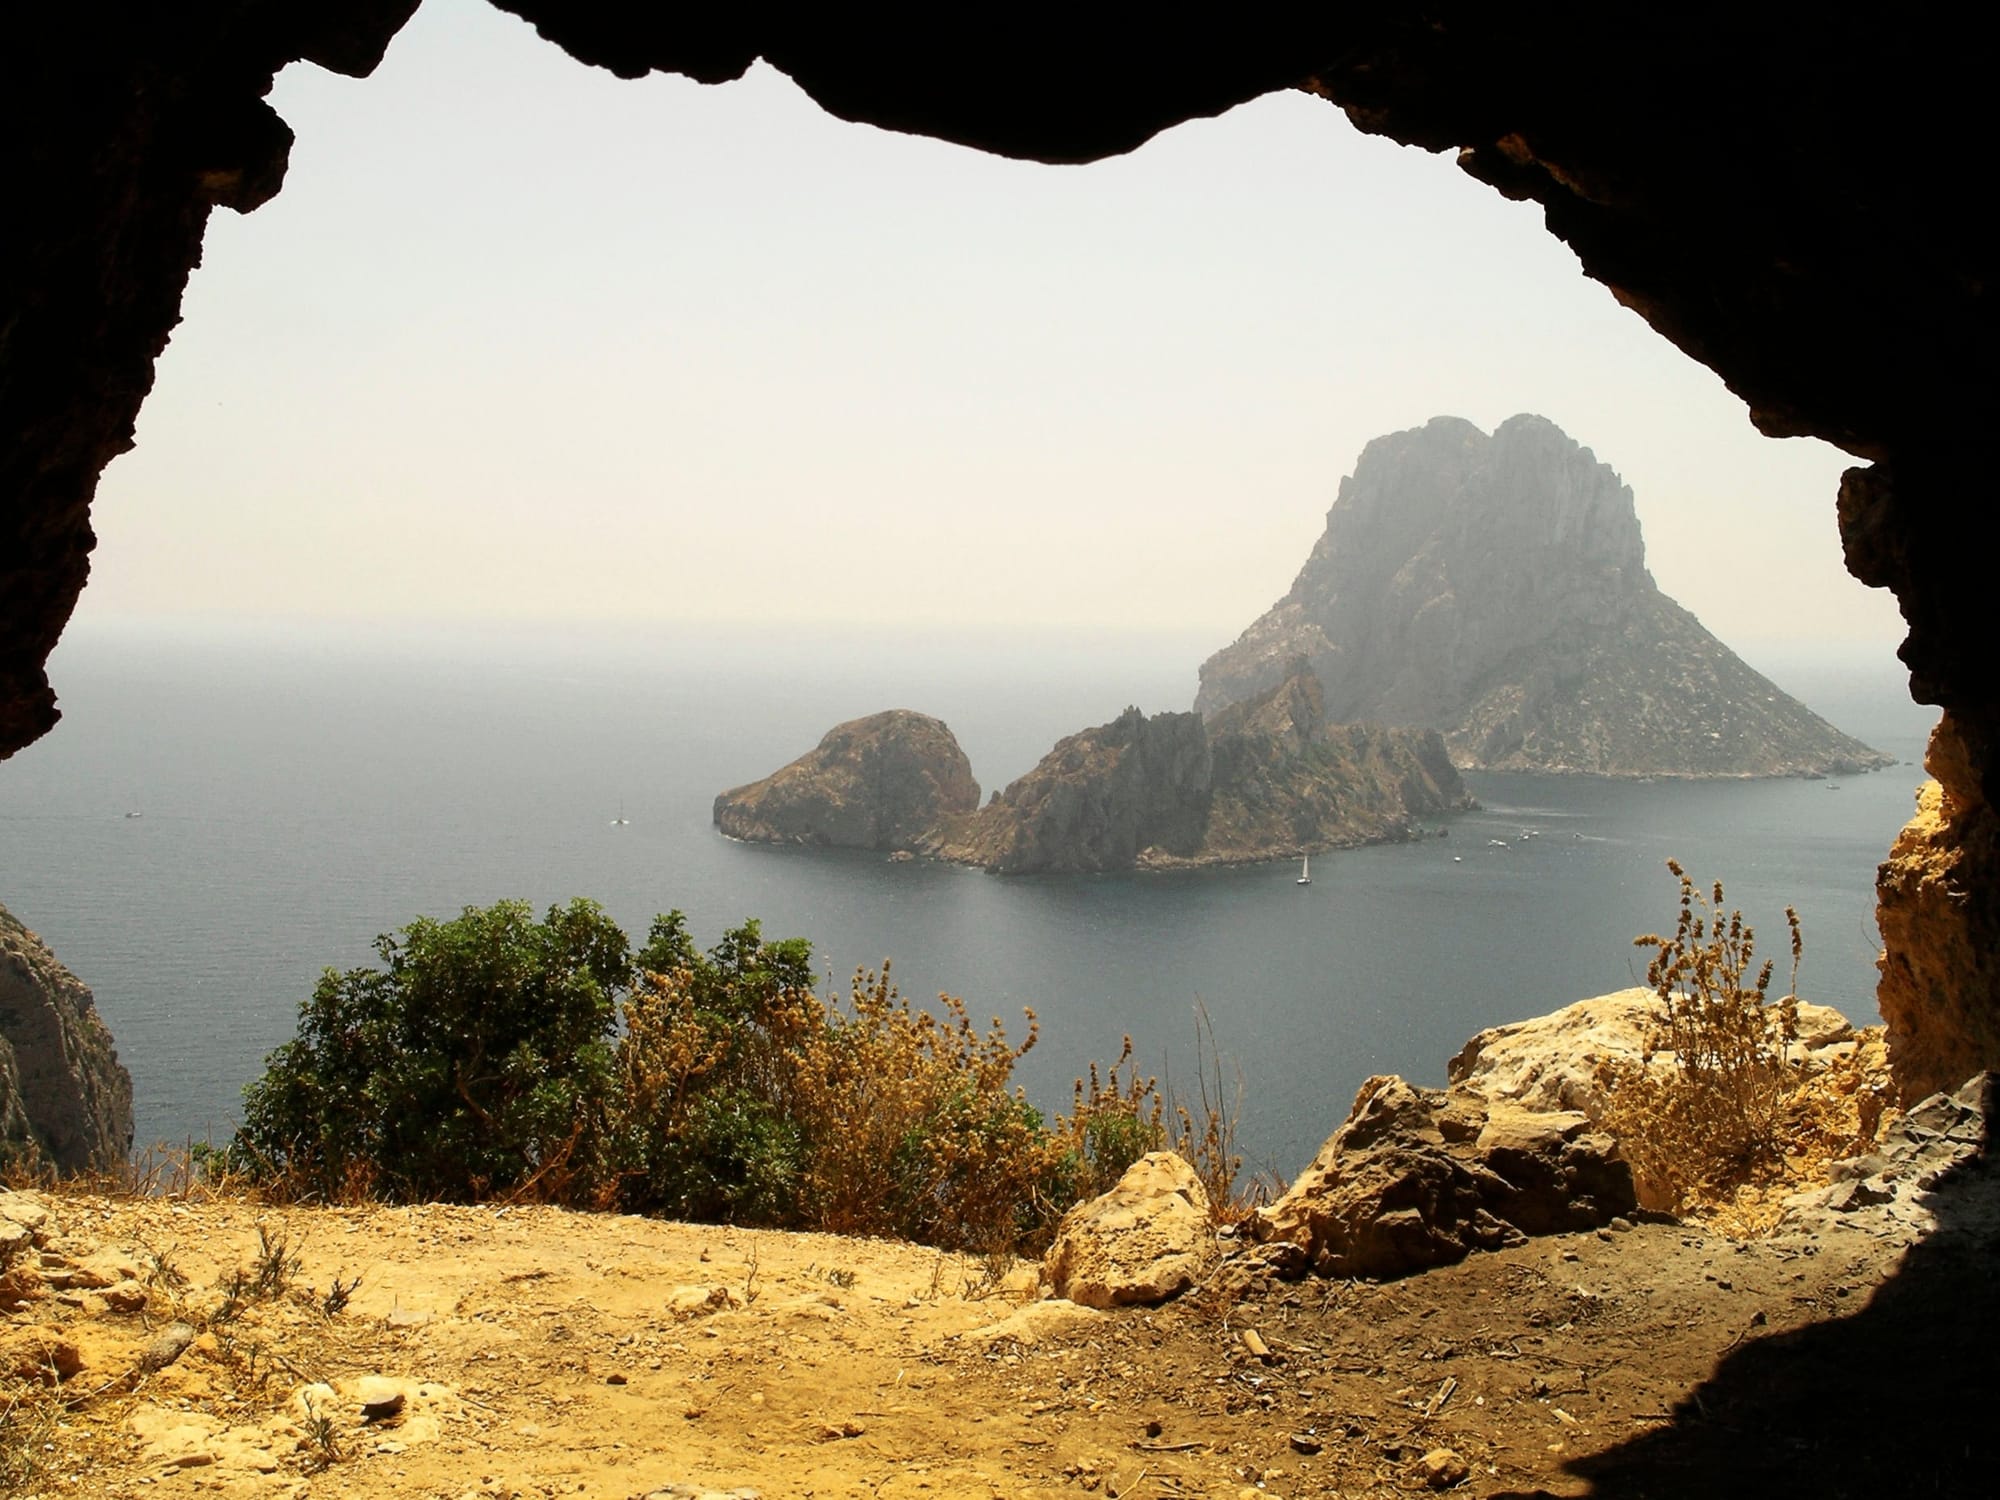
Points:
873	783
1495	589
65	1100
1270	779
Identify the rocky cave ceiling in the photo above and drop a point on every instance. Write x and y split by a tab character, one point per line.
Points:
1790	193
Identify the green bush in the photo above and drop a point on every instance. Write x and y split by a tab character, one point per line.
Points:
476	1062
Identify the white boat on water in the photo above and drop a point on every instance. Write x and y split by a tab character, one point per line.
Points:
1306	870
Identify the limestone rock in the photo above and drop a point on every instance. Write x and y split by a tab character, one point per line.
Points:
1145	1240
873	783
1552	1061
1556	1061
1423	1177
1495	589
64	1097
1939	915
1271	778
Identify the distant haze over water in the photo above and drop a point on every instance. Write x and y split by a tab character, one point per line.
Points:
301	792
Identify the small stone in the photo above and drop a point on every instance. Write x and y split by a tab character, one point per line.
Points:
380	1398
1305	1442
125	1297
614	1378
170	1345
14	1239
1441	1468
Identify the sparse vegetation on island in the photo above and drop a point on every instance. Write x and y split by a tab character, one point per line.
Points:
485	1059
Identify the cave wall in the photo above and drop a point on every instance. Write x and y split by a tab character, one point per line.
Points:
1790	194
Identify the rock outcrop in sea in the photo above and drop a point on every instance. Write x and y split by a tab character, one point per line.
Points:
1271	778
875	783
65	1100
1495	589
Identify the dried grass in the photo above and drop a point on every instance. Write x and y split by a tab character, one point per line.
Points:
1731	1122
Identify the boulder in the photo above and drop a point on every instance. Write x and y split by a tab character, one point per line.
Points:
1422	1177
1553	1061
1556	1062
1147	1239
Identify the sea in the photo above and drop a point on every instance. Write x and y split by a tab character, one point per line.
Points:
226	810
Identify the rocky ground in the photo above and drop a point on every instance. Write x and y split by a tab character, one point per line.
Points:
158	1346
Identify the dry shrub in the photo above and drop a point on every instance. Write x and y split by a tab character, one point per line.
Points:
867	1115
1712	1122
1112	1122
909	1125
1205	1132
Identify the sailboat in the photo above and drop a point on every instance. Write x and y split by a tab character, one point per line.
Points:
1306	870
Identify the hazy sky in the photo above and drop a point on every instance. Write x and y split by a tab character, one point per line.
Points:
522	340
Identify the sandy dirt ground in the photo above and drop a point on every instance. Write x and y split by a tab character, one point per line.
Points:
528	1353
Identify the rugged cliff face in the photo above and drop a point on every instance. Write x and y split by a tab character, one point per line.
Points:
1269	779
65	1100
1100	800
1495	589
1288	782
1940	930
873	783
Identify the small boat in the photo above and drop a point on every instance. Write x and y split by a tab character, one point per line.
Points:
135	815
1306	870
1498	844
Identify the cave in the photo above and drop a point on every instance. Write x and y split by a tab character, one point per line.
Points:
1782	193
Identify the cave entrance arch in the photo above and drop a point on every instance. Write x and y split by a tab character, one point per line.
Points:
1801	228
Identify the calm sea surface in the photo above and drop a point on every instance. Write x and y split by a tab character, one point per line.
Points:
298	797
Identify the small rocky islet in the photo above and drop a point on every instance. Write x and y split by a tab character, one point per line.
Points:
1270	779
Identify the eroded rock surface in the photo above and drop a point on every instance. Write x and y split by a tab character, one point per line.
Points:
65	1099
873	783
1147	1239
1557	1061
1495	589
1939	914
1271	778
1423	1177
1929	1169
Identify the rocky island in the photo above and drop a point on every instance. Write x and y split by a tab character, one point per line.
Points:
876	783
1268	779
1495	589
